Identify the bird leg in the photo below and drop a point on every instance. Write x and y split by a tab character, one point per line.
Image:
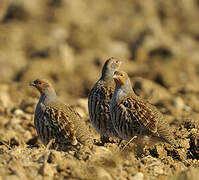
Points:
120	142
49	145
134	137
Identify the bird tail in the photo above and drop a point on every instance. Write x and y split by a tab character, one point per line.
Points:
165	133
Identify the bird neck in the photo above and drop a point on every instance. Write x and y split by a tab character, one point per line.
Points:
122	91
107	74
48	96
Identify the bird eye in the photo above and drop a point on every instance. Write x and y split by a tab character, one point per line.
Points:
121	74
39	82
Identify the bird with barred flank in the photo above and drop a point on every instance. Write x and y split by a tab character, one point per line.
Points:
135	117
99	101
54	121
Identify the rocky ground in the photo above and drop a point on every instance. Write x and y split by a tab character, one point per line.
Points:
67	42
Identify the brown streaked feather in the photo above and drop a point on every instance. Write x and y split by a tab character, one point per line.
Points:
71	123
99	100
133	116
144	112
99	108
56	122
60	122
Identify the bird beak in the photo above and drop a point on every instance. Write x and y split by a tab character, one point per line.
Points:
120	63
32	84
114	76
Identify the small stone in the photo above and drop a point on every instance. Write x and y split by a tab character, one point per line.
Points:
191	173
5	97
18	112
71	153
2	108
29	109
27	135
67	165
130	170
158	170
137	176
16	121
83	103
103	174
185	143
187	108
47	170
11	177
62	165
161	151
54	157
178	103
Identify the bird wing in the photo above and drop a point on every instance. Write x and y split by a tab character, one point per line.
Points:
61	120
99	99
99	108
145	113
82	132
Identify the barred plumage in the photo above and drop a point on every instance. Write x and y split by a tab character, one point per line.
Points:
99	100
133	116
56	121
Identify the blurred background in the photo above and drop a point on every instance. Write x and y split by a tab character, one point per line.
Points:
67	42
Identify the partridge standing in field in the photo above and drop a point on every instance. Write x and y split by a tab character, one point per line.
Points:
99	101
133	116
55	121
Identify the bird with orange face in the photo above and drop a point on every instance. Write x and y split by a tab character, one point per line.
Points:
54	121
135	117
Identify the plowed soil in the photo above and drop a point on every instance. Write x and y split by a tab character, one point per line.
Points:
67	42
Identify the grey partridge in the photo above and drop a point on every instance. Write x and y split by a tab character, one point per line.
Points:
54	121
99	101
135	117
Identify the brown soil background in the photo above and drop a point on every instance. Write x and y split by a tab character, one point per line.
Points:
67	42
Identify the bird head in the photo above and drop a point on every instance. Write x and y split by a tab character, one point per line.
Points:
110	66
120	78
113	63
41	85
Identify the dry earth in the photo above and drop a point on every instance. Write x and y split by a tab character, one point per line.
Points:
67	42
